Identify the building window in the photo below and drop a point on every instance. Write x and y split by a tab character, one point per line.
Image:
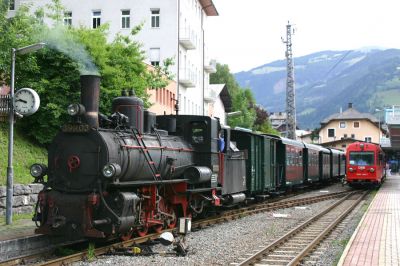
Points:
345	136
356	124
155	18
342	124
155	56
12	5
125	19
96	19
68	18
331	133
353	136
368	139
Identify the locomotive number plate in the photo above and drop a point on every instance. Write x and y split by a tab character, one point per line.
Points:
75	128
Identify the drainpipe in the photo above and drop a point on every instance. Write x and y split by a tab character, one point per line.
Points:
178	63
203	61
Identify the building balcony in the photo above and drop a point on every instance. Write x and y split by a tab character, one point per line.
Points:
210	66
187	38
210	95
392	118
187	77
385	142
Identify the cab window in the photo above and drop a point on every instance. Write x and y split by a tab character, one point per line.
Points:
198	132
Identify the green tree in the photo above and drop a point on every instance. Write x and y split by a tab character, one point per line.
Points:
242	99
54	72
262	122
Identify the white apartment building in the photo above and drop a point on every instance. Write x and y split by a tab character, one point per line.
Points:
171	29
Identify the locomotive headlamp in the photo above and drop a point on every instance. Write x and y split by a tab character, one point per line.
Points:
38	170
111	170
371	170
75	109
351	170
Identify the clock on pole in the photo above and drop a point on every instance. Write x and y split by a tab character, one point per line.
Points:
26	101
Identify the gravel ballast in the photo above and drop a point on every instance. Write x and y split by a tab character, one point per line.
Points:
225	243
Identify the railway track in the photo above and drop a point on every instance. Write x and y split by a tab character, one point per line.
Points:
294	246
224	217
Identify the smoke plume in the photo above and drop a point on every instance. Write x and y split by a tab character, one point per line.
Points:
60	39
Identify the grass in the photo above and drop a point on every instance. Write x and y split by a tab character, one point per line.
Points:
389	97
90	253
16	218
25	154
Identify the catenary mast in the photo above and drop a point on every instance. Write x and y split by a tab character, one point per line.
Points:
290	91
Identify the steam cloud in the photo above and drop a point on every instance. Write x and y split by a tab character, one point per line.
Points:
60	39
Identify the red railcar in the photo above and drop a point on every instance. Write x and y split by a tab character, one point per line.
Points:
365	164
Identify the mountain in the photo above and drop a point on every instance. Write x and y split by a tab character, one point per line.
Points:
327	81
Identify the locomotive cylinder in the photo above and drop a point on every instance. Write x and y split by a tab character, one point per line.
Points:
90	92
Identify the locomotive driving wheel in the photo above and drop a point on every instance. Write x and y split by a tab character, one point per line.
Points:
126	236
143	230
172	220
158	228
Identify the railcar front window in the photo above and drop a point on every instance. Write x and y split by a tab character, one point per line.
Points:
361	158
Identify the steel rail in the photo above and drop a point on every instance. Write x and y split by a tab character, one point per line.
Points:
226	216
326	232
260	254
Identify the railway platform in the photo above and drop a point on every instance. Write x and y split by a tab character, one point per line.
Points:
19	228
376	240
19	239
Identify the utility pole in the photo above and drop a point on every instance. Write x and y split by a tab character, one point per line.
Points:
290	91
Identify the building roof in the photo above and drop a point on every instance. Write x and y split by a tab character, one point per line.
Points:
350	114
222	91
209	7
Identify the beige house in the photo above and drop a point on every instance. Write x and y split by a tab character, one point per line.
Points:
350	125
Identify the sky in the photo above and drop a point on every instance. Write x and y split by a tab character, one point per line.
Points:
247	33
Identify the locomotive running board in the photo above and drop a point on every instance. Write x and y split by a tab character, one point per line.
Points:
196	190
147	182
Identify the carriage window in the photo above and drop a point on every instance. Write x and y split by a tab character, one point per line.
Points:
198	132
361	158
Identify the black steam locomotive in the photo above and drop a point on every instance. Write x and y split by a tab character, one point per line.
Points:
132	172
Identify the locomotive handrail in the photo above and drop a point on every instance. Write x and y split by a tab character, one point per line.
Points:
157	148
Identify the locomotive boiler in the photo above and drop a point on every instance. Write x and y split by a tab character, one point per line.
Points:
119	174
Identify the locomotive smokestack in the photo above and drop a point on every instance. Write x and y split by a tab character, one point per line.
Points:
90	93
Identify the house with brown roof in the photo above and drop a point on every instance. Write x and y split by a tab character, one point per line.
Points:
345	127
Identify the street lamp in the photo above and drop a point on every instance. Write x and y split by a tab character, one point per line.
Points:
10	170
379	123
230	114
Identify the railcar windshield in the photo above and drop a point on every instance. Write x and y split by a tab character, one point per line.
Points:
361	158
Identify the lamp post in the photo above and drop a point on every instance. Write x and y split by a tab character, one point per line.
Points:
10	170
379	124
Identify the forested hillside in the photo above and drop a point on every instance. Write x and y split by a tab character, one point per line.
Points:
327	81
